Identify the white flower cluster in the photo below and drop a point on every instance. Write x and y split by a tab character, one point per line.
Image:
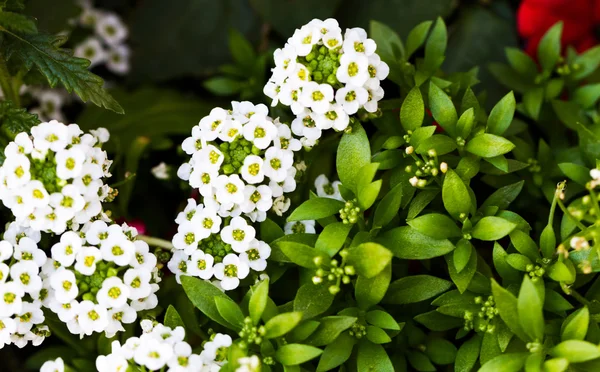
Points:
158	348
107	45
53	178
207	246
56	365
100	277
49	103
241	160
325	77
21	291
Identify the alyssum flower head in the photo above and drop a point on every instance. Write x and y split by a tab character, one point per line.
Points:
53	178
325	77
241	160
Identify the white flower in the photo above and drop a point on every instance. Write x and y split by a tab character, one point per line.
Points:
238	234
117	248
16	171
187	237
178	264
201	265
27	250
285	59
153	354
304	39
305	125
300	227
215	350
317	97
290	96
230	189
117	60
206	221
69	163
284	139
6	250
183	360
353	70
356	42
7	328
210	125
210	157
11	294
326	189
230	271
92	50
351	98
92	318
86	260
375	95
333	39
51	103
335	118
64	284
245	110
249	364
260	132
256	255
161	171
101	134
67	311
252	169
281	204
277	162
257	198
110	27
56	365
113	293
143	258
377	68
26	274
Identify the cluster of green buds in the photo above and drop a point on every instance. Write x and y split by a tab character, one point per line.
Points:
563	69
215	246
235	152
323	63
350	213
89	285
334	273
251	334
483	321
44	170
425	168
358	330
162	257
534	347
535	272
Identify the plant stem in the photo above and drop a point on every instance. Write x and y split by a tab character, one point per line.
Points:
156	242
6	83
580	298
568	214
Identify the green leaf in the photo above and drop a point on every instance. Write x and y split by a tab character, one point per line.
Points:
435	48
512	362
241	50
587	95
302	331
408	243
294	354
524	244
556	365
455	195
258	300
377	335
548	241
441	143
415	288
489	145
465	123
462	255
368	194
436	225
518	261
506	303
503	268
300	254
462	279
230	311
413	110
353	153
576	351
420	202
281	324
337	352
315	209
438	322
202	294
270	230
440	351
370	292
369	259
331	327
312	300
549	48
532	101
467	354
576	172
417	37
501	115
530	307
332	238
521	62
59	66
17	22
372	357
389	47
502	197
442	108
172	318
492	228
388	207
588	62
223	86
382	319
420	362
575	326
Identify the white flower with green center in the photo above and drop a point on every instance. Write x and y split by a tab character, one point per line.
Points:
356	41
64	284
67	249
45	219
194	143
117	248
305	125
113	293
178	264
20	203
243	111
111	29
327	189
188	213
252	171
16	171
257	198
260	132
277	163
285	60
56	365
304	39
230	271
377	68
209	159
26	273
335	118
27	250
201	265
86	260
117	59
284	139
206	221
183	360
238	234
8	327
203	179
153	354
92	50
285	186
375	95
69	163
231	130
316	96
21	145
117	317
353	70
30	315
96	232
333	39
187	237
351	98
69	202
300	76
210	125
300	227
4	272
256	255
37	194
326	26
66	312
290	96
92	318
229	189
215	350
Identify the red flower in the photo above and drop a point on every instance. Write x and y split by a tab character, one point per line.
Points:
138	224
581	19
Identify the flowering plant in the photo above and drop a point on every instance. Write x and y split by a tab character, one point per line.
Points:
390	210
